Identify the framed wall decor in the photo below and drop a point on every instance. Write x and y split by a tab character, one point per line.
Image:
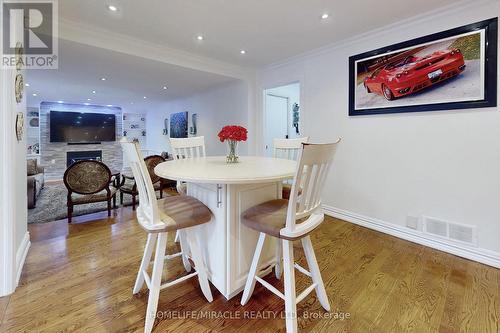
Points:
179	125
452	69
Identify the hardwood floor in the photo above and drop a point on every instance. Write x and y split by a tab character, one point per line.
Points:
79	278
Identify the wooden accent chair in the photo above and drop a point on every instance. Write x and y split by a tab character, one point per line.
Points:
288	149
290	220
88	182
128	185
157	218
187	148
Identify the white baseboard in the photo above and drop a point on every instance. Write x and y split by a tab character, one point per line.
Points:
483	256
21	254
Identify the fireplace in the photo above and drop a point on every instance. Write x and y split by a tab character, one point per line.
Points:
75	156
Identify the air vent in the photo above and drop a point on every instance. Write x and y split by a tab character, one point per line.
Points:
454	231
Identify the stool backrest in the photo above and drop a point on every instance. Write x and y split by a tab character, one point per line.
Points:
313	164
288	148
188	147
147	213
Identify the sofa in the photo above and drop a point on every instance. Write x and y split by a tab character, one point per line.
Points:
36	181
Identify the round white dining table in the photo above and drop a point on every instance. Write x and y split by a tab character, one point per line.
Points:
215	170
228	190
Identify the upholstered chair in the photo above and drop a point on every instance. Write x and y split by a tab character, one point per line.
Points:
88	182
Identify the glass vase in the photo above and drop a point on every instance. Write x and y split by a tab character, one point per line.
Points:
232	155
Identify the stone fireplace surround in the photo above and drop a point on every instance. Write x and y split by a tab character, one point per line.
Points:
53	155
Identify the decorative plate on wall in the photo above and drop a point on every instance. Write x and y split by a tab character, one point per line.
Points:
19	55
19	84
19	126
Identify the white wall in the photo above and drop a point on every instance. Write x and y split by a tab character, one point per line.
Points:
441	164
14	238
223	105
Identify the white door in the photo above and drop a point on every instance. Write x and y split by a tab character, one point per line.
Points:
276	120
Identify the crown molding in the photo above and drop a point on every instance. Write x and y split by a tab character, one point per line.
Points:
456	7
89	35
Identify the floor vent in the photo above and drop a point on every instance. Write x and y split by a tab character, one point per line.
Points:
454	231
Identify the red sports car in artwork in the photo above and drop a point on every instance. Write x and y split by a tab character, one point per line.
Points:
414	73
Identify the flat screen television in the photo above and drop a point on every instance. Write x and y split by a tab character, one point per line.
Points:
80	127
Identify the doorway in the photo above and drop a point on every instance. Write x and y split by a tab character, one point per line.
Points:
281	114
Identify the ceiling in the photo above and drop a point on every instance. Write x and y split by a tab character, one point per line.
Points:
128	79
268	31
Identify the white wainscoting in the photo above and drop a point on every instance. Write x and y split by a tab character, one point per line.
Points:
484	256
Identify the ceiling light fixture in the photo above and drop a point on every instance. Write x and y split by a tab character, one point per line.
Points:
109	105
88	99
93	91
325	16
34	95
60	102
86	103
103	79
199	37
112	8
27	84
144	97
164	87
243	52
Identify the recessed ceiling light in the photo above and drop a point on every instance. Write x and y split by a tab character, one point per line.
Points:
93	91
164	87
325	16
88	99
109	105
103	79
60	102
112	8
243	51
27	84
199	37
34	95
144	97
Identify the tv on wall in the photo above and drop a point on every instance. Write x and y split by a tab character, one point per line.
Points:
79	127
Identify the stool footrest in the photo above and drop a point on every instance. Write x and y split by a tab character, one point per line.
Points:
270	287
179	280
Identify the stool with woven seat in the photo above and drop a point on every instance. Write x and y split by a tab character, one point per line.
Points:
291	220
157	218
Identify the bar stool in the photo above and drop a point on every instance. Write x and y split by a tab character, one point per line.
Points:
288	149
290	220
157	218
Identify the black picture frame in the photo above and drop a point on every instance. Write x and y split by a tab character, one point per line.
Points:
490	71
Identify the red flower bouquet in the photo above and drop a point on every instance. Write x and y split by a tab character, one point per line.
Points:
233	132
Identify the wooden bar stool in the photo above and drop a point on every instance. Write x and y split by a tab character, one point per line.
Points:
290	220
288	149
158	217
186	148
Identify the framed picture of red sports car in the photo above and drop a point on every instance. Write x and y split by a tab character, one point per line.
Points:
453	69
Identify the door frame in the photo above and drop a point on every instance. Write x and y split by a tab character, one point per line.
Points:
262	142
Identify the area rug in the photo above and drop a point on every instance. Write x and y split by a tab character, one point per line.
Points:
51	204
